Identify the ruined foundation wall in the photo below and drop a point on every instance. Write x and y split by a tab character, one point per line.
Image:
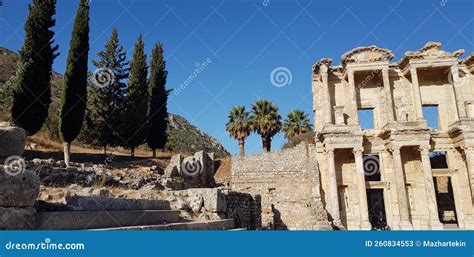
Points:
287	182
245	209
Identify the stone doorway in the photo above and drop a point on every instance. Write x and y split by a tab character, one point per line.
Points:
445	200
376	204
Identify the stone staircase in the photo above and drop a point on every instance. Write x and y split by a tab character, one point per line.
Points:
103	213
225	224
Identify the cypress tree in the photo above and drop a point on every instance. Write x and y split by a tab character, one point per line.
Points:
135	115
32	88
157	103
74	95
107	95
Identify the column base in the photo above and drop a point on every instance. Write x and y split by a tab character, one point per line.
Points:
405	225
365	225
469	224
436	225
337	225
395	225
322	225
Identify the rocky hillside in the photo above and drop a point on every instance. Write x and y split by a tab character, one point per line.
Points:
182	135
185	137
8	61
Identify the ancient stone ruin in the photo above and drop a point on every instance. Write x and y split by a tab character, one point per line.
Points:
394	150
18	190
197	170
45	195
377	162
287	183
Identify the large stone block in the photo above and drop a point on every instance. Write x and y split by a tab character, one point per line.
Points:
197	170
214	199
14	218
72	220
20	190
94	203
12	141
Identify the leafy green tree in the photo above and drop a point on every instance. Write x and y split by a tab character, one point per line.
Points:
32	87
265	121
74	96
239	126
107	96
135	115
158	100
296	123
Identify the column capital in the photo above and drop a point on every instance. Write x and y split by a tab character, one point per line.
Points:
330	152
324	69
424	149
394	149
454	67
358	150
469	148
350	72
413	71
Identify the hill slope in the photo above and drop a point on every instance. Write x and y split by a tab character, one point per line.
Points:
182	135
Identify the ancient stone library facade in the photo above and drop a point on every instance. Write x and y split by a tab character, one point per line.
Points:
394	147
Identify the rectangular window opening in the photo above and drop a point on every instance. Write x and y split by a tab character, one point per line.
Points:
366	118
431	115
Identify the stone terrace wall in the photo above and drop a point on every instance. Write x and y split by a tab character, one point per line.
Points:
244	209
287	182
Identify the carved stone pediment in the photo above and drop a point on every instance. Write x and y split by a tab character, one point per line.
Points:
323	62
366	54
431	51
469	62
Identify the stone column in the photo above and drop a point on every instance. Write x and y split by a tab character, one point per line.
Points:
416	94
327	96
469	153
387	174
333	192
360	174
405	223
434	222
458	97
388	94
353	98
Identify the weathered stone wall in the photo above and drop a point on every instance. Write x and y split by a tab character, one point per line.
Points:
287	182
12	141
19	187
245	209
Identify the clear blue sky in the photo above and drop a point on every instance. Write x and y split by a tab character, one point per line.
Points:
246	40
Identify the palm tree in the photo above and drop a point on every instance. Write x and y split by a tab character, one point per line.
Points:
265	121
296	123
239	126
